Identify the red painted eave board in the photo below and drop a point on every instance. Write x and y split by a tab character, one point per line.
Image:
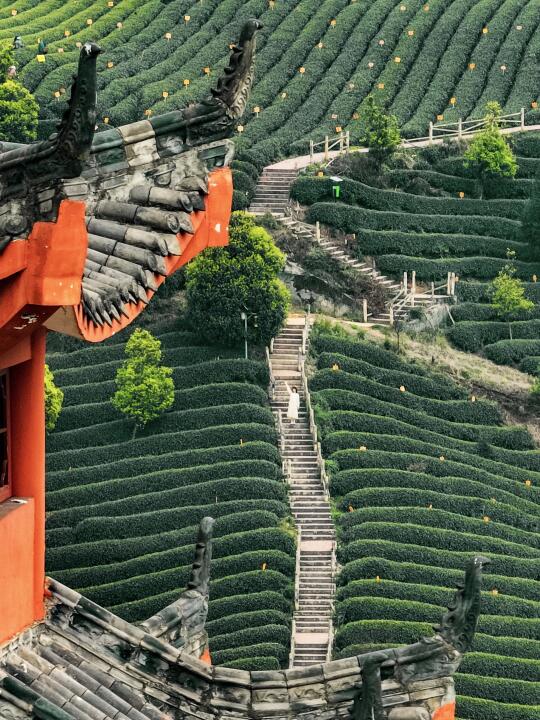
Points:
14	258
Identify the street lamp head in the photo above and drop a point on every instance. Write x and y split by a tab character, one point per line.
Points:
243	316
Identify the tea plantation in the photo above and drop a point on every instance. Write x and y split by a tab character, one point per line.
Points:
317	61
421	478
418	221
122	514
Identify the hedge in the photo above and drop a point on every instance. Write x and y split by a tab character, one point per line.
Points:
311	190
411	491
252	663
496	470
230	606
212	371
505	352
407	572
114	349
177	459
512	437
351	219
163	443
116	549
101	528
380	608
470	494
530	365
174	421
480	292
271	539
158	582
438	538
419	385
248	653
436	596
178	357
472	335
405	632
482	311
428	270
372	354
435	245
482	411
500	666
241	620
224	488
433	517
479	708
159	481
252	581
201	396
501	564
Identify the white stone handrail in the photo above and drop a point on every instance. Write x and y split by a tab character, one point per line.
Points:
297	574
272	380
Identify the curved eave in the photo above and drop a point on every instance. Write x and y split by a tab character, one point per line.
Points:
210	230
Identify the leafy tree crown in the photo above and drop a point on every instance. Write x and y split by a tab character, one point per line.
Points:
380	130
145	389
224	282
54	398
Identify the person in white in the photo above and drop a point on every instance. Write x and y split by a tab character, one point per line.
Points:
294	403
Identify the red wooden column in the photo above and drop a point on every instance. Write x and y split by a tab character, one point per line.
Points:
27	421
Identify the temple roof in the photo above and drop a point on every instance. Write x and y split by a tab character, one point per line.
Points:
83	662
155	192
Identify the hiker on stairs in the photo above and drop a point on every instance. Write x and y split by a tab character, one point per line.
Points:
294	403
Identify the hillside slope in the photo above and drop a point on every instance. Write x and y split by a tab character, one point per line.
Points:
430	219
122	514
415	55
422	478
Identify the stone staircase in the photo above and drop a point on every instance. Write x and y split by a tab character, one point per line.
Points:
310	508
304	230
272	193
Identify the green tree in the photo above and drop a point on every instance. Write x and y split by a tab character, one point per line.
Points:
489	155
145	388
530	222
224	282
508	294
7	58
379	130
18	113
54	398
18	107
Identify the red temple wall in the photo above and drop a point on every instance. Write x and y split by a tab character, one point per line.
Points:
22	526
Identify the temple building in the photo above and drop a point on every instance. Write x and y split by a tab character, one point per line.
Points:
90	226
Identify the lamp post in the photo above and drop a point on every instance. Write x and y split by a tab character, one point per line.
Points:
245	317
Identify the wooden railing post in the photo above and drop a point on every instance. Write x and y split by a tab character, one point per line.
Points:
347	140
522	118
460	128
413	282
311	151
431	133
405	281
432	290
449	283
326	147
341	142
318	231
364	309
391	313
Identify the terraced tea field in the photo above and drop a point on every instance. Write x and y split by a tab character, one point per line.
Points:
316	64
419	222
122	514
422	478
